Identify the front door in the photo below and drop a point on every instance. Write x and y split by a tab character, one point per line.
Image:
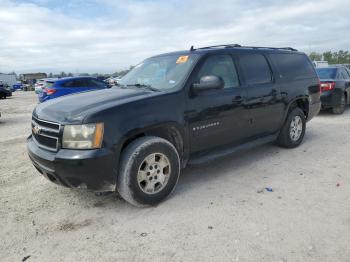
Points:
217	117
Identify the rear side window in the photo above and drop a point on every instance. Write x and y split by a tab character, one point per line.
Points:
344	73
255	69
293	66
74	83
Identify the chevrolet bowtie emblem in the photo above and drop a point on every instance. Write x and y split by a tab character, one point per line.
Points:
36	130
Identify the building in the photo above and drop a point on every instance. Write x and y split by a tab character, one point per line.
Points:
31	78
9	79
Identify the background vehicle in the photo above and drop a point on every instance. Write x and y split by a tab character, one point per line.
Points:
5	91
320	63
171	110
335	85
38	86
65	86
18	86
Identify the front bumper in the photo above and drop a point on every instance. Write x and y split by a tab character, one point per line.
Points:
92	169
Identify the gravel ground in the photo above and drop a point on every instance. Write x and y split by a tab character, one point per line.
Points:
217	213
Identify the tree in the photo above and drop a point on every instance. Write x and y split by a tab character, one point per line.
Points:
314	56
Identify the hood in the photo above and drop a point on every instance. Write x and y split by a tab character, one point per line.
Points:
74	108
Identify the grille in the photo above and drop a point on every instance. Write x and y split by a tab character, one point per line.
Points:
46	134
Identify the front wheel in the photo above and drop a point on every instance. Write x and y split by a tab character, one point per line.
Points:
293	130
149	171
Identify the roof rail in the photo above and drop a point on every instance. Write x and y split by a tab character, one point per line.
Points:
240	46
273	48
216	46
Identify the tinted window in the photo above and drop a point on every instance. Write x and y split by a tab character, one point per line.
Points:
255	69
221	66
293	66
326	73
344	73
95	83
74	83
348	72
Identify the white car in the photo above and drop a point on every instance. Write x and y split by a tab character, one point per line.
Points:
38	87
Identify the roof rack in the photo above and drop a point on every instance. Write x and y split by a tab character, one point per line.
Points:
240	46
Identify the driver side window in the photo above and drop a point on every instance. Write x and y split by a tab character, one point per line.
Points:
221	66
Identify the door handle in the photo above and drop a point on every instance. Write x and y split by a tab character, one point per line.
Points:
237	100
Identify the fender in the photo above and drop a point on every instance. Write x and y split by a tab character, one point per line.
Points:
291	102
172	131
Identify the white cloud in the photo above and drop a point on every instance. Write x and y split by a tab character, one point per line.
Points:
33	37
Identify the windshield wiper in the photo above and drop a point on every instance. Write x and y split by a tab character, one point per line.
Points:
149	87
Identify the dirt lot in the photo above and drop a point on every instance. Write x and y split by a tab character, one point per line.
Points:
215	214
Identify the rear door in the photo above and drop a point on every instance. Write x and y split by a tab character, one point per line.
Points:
345	77
263	94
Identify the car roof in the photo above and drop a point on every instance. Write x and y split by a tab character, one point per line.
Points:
64	79
233	49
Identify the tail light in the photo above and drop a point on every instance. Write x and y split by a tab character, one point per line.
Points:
50	91
327	86
319	85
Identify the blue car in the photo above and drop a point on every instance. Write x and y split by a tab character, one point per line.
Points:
17	86
70	85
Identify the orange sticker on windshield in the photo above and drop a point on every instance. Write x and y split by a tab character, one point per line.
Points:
182	59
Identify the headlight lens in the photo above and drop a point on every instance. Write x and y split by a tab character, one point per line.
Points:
87	136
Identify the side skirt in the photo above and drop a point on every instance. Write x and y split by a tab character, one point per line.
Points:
224	151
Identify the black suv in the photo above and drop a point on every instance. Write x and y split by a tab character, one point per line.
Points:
171	110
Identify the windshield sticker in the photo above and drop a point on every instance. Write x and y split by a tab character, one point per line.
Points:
172	82
182	59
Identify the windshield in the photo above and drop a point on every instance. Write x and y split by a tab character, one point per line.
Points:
326	73
160	73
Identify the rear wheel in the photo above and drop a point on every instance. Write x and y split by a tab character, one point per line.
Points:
338	110
149	171
293	130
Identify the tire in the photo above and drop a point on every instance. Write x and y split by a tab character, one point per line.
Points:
145	164
291	135
338	110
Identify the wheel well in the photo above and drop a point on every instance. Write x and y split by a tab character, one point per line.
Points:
303	104
170	134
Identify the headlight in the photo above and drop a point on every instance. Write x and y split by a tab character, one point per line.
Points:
87	136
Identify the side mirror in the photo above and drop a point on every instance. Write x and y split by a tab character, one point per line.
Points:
209	83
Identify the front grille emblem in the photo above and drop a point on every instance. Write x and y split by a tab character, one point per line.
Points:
36	130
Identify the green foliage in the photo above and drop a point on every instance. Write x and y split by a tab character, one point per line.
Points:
340	57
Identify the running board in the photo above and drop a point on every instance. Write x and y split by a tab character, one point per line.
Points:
203	158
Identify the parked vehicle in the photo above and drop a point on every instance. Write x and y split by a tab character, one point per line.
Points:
17	86
38	86
5	91
320	63
172	110
335	87
70	85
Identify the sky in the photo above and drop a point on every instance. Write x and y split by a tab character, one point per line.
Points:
109	35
